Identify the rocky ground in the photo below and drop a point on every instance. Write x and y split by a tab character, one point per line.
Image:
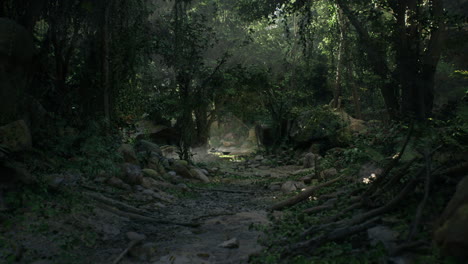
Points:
192	222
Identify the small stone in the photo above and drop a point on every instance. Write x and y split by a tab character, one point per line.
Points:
328	173
133	236
258	158
151	173
289	186
232	243
148	192
172	173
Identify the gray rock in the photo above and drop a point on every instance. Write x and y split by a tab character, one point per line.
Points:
198	174
309	160
132	174
289	186
258	158
147	146
57	181
133	236
232	243
182	170
328	173
118	183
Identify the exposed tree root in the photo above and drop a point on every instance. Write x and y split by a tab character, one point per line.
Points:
363	217
115	203
142	217
308	246
223	190
304	195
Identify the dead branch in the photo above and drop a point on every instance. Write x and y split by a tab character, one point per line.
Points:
303	195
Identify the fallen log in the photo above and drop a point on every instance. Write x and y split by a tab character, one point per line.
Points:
304	195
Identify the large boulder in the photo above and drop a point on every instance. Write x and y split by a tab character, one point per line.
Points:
160	134
16	54
452	234
16	136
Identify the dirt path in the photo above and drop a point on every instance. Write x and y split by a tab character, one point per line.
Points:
90	223
228	212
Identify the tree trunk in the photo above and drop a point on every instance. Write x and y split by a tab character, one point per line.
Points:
355	90
377	61
340	60
105	78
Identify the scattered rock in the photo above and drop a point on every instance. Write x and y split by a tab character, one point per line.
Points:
182	170
232	243
149	183
118	183
128	153
291	186
156	163
133	236
151	174
309	160
172	173
57	181
198	174
181	162
258	158
132	174
328	173
16	136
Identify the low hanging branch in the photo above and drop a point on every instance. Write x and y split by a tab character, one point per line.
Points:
303	195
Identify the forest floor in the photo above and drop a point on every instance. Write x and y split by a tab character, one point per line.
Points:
216	222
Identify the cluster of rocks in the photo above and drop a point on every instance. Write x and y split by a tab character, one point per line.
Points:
147	170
